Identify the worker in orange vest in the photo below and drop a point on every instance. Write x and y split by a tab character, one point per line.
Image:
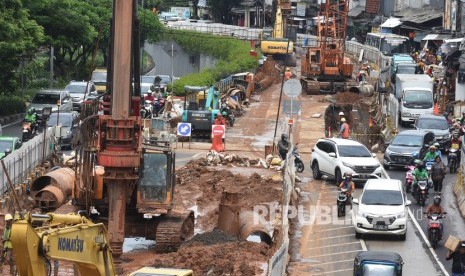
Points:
344	131
288	73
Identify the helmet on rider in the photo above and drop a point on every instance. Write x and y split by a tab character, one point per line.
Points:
437	200
284	137
31	111
343	120
8	217
348	175
455	135
415	155
341	113
224	113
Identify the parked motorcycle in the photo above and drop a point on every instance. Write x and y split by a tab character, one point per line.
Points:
452	160
434	229
146	110
27	131
342	199
299	165
409	178
422	192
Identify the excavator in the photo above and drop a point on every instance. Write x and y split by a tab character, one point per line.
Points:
273	42
324	68
134	191
72	238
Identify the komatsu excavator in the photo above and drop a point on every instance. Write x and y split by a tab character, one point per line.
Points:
135	194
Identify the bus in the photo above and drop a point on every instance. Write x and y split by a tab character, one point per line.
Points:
389	44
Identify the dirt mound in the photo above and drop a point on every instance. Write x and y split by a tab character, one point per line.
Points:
232	258
213	237
347	97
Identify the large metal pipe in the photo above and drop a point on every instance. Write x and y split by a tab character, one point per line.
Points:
252	224
52	190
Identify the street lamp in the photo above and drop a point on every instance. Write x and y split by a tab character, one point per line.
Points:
46	111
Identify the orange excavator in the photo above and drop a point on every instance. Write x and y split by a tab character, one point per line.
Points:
129	182
325	69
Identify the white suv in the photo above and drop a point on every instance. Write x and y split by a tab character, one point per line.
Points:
334	157
382	209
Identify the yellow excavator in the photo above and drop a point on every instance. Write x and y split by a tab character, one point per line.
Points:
273	42
72	238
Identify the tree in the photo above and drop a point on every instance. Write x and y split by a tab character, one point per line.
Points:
19	39
222	8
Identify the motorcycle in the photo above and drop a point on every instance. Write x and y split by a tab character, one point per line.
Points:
452	160
434	229
27	131
158	106
429	165
229	114
422	192
409	178
342	199
299	165
146	110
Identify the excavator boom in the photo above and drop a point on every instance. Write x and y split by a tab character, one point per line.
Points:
67	238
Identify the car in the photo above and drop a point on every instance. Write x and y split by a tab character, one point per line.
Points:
9	143
438	125
400	151
69	121
79	90
99	78
334	157
381	209
51	98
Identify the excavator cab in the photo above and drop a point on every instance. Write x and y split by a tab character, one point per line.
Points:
200	108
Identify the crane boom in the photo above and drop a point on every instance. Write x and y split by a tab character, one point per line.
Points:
68	238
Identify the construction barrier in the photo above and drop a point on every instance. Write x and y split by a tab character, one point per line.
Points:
370	53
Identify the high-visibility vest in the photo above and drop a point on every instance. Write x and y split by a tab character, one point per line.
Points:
345	133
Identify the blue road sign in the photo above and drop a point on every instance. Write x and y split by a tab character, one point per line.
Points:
184	129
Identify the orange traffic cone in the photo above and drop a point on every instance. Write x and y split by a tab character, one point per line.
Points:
436	109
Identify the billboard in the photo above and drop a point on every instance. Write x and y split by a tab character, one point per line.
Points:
183	12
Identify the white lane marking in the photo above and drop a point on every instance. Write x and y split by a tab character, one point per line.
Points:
417	225
335	237
337	228
343	252
334	271
339	244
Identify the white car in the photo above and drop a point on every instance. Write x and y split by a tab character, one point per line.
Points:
334	157
382	209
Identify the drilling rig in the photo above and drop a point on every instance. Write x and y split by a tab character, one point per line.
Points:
324	67
134	194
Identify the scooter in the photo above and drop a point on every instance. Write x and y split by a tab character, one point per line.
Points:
299	165
429	165
409	178
452	160
158	106
342	198
422	192
434	229
27	131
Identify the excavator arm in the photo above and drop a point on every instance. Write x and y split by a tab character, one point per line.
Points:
69	238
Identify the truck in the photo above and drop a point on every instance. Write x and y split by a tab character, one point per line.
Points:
402	64
415	95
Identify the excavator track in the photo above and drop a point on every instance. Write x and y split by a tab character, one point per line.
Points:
173	230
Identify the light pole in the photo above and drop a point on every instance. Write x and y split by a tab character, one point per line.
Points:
172	67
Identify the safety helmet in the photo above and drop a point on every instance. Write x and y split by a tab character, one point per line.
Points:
343	120
432	147
455	135
8	217
437	200
348	174
284	136
415	155
436	144
341	113
31	110
224	113
288	69
149	92
418	162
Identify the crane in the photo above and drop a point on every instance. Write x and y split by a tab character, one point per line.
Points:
324	67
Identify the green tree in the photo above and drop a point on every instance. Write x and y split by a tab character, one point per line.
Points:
19	39
221	9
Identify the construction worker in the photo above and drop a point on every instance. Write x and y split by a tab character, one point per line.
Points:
7	246
288	73
219	120
344	131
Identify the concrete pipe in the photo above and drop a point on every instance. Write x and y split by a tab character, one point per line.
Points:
51	190
253	227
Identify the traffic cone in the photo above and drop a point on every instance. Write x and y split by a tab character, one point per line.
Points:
436	109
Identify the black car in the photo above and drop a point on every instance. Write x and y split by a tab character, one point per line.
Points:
68	121
400	151
436	124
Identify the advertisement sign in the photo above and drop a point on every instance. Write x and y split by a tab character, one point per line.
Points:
301	7
183	12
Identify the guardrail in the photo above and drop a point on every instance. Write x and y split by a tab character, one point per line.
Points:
217	29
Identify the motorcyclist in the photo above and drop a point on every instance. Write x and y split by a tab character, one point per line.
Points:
431	155
149	96
283	146
348	184
456	128
32	118
436	208
419	173
436	144
219	120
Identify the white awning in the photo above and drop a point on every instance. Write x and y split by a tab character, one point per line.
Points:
391	23
436	37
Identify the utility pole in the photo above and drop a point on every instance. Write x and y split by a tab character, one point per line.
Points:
51	67
172	67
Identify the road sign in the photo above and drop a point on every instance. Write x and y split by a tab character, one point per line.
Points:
292	88
218	130
184	129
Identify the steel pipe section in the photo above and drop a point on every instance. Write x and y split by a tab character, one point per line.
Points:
52	190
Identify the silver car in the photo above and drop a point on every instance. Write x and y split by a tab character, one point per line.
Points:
51	98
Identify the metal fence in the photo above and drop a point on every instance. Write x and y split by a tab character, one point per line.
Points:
24	160
370	53
217	29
